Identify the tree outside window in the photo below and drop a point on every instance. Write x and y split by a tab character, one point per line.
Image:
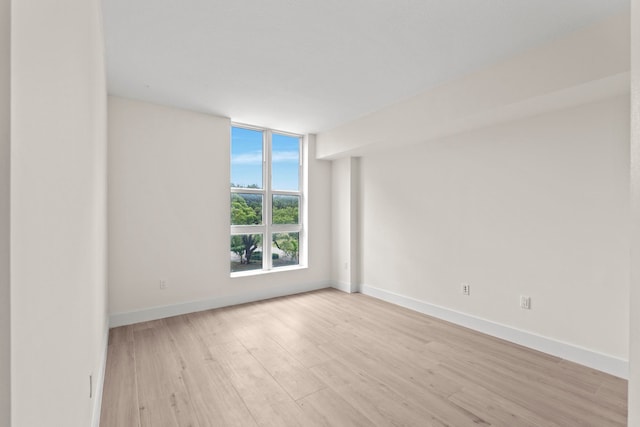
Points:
265	199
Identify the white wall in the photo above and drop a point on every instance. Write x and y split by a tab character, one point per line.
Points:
534	207
169	216
571	70
345	223
5	327
634	333
58	211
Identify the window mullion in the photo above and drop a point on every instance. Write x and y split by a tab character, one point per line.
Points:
268	211
286	228
285	192
247	229
247	190
302	202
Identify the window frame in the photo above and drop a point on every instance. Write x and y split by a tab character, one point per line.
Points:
267	228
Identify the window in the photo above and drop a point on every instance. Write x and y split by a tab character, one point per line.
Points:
266	199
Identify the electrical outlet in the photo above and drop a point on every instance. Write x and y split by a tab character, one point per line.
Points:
525	302
164	284
466	289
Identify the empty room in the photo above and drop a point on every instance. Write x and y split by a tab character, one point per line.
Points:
319	213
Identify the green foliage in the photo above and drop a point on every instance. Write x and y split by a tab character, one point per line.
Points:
287	215
237	246
288	243
245	245
246	209
257	256
285	210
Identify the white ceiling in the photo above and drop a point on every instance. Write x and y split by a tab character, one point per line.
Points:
311	65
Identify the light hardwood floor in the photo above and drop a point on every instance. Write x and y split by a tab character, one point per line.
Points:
327	358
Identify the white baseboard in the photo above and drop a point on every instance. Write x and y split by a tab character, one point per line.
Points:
99	385
154	313
341	286
602	362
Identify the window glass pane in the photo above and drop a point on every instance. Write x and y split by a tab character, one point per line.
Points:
285	159
246	252
285	249
246	158
246	209
285	209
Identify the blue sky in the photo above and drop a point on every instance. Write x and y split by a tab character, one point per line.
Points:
246	159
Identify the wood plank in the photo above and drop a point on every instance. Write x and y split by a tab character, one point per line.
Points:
120	391
498	410
548	402
382	404
410	384
330	358
172	411
267	401
121	335
214	400
292	376
329	408
158	371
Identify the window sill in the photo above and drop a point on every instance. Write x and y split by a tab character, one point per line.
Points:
262	272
